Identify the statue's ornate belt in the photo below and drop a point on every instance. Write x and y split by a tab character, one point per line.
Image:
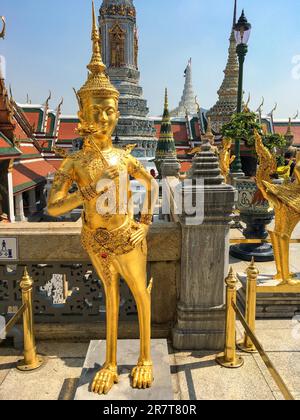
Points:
106	243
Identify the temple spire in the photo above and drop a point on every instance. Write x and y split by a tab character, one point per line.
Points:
166	144
289	135
226	105
234	14
188	97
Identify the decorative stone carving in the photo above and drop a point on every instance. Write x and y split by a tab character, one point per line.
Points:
117	46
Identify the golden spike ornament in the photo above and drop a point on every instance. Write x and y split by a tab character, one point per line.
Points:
260	108
285	199
246	107
115	241
225	157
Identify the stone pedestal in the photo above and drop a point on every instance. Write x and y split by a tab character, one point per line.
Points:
205	259
257	216
270	305
128	352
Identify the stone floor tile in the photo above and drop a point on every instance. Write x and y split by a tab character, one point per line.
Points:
202	379
48	383
287	365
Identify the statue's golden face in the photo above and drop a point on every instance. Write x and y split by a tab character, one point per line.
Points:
103	114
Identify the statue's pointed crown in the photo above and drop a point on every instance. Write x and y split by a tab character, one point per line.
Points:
98	83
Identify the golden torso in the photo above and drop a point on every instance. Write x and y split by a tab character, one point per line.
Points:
88	168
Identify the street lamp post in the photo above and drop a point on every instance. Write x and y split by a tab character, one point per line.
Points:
255	216
242	30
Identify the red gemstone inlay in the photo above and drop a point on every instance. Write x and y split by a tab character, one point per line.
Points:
104	256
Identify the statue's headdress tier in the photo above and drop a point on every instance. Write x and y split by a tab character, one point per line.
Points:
98	83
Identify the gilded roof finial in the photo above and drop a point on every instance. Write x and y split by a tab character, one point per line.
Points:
260	108
2	33
246	107
271	114
48	99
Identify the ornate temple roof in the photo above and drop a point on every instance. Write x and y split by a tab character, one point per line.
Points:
226	105
118	7
107	3
188	101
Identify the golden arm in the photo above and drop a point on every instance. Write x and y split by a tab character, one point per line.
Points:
137	170
61	201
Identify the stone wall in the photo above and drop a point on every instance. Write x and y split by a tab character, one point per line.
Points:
53	250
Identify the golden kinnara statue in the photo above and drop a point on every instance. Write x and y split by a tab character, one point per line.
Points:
225	157
115	242
285	199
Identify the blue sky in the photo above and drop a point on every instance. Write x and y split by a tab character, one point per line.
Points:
48	46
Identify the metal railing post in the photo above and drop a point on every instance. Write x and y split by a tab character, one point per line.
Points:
31	360
229	358
247	345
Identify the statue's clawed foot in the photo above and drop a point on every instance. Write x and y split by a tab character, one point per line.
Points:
104	380
142	375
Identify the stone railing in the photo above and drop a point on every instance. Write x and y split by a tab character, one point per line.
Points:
69	301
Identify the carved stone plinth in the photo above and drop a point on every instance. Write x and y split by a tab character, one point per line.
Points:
205	259
128	351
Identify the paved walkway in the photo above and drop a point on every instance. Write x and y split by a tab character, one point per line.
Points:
195	375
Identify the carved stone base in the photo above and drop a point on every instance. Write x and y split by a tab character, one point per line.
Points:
128	352
270	305
199	329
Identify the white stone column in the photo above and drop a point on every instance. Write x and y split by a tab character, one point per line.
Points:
11	197
20	217
32	202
